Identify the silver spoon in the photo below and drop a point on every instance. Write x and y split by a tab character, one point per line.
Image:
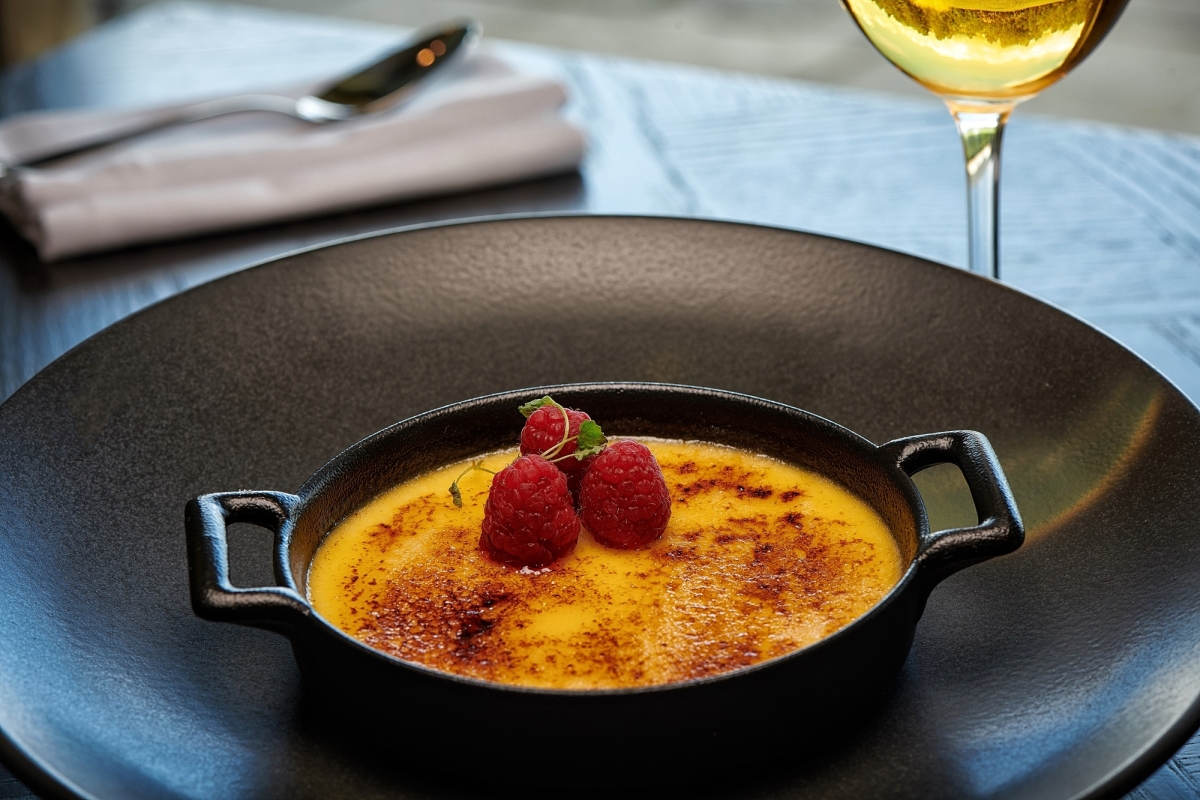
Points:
377	87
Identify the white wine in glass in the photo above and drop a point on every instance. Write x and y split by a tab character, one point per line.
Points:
983	57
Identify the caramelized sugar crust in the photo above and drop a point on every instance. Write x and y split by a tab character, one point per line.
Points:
760	558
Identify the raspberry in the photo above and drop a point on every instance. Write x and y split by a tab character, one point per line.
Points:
624	496
529	519
544	430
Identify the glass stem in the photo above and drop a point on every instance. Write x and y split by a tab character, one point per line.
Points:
981	130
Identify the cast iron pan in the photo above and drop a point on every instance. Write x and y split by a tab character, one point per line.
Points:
699	726
1070	668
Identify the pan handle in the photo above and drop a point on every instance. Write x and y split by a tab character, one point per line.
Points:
206	518
942	553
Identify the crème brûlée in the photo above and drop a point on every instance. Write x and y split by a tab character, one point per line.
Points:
760	558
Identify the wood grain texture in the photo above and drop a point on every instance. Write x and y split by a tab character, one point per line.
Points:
1104	222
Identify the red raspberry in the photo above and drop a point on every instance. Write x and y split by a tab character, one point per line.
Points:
529	519
624	496
544	430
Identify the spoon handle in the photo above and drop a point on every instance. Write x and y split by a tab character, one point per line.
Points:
192	113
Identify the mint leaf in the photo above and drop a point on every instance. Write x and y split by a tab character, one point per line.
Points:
455	494
590	434
534	405
591	440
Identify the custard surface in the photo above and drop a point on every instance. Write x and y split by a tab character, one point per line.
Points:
760	558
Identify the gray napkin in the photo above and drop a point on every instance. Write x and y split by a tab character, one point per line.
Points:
486	124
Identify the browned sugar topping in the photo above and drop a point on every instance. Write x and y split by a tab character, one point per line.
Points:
748	569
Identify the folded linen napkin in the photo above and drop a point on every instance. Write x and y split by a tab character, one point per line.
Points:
482	124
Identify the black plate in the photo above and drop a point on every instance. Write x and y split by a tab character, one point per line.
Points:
1071	668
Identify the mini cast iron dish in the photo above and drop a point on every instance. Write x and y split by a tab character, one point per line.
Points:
756	712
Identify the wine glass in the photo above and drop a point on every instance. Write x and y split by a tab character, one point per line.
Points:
983	57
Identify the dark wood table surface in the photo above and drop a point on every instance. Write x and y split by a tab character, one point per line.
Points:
1102	221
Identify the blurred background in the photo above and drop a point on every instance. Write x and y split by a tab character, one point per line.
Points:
1147	73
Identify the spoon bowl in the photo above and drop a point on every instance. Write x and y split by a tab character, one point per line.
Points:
391	80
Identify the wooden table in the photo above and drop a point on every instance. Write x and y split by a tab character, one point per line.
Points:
1104	222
